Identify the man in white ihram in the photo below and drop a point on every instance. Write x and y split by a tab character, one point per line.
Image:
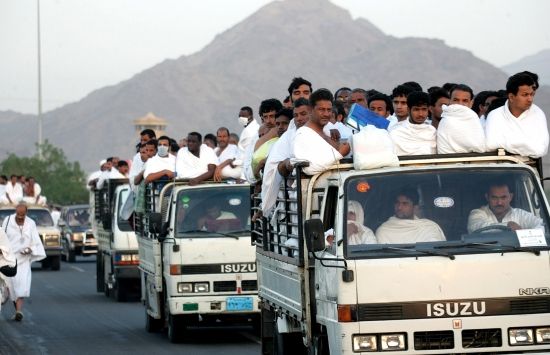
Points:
499	212
26	245
405	226
7	265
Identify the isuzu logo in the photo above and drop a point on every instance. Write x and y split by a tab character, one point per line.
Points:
534	291
452	309
241	267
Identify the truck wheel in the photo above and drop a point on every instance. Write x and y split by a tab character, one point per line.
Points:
100	284
119	291
267	326
287	343
46	262
55	262
176	328
152	325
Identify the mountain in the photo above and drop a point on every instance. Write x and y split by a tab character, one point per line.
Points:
537	63
254	60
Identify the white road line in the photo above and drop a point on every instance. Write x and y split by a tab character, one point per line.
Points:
77	269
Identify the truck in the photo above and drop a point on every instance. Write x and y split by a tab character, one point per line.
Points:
49	233
197	262
77	237
485	290
117	261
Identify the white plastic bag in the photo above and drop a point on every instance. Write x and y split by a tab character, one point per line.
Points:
373	148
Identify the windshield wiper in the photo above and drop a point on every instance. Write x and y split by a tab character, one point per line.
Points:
492	244
228	235
408	251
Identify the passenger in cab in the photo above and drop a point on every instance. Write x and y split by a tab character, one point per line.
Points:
405	226
217	220
357	232
498	211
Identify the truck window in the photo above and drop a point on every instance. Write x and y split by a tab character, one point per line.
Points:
77	217
224	209
123	224
441	207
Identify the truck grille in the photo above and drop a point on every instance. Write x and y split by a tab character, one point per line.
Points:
540	305
249	285
379	312
481	338
225	286
434	340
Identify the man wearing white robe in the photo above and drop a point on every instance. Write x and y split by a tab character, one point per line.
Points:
162	165
26	245
405	227
229	164
7	265
33	195
196	162
311	144
3	182
414	136
460	131
498	211
14	191
519	126
249	133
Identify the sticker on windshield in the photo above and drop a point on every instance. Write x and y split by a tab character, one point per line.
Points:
531	238
444	202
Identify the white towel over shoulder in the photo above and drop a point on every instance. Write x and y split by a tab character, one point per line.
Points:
460	131
413	139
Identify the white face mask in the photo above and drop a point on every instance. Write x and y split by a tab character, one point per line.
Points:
243	121
162	150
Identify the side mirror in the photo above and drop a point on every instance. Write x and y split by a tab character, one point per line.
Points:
155	222
314	235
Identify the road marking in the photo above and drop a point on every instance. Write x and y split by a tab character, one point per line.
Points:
78	269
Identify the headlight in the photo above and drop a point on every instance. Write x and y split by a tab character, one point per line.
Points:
520	336
542	335
185	287
201	287
392	342
364	343
77	237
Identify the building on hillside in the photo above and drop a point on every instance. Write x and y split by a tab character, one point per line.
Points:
150	121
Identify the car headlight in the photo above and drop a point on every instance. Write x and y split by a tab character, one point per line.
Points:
520	336
542	335
201	287
392	342
77	237
185	287
364	343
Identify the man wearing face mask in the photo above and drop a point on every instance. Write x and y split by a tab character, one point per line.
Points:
162	165
26	245
250	131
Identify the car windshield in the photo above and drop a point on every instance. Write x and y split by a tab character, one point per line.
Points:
41	217
213	211
78	217
443	212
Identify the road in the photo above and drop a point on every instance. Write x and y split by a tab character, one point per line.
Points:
65	315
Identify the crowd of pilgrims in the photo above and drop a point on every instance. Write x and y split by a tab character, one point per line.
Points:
311	125
20	188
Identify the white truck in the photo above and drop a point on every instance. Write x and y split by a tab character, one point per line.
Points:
196	258
117	251
477	291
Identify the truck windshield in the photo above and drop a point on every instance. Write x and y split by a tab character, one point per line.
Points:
78	217
41	217
213	211
443	212
4	213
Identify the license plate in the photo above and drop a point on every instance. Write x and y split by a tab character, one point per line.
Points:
239	304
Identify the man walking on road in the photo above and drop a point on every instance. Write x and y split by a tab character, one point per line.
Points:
26	245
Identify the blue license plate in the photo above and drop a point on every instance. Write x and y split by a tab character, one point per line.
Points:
239	304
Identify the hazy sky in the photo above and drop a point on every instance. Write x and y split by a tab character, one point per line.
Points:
89	44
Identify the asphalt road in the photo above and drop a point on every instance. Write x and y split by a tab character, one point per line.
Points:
65	315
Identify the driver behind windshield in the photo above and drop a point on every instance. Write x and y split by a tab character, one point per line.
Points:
213	214
405	226
499	212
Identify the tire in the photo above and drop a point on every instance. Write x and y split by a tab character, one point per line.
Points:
287	343
100	284
176	328
46	262
119	291
152	325
55	262
71	257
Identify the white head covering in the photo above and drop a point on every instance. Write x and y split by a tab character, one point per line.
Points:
357	209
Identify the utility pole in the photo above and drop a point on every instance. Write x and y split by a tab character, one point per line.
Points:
39	117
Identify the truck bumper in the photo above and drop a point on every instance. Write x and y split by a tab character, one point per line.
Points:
127	272
53	251
212	306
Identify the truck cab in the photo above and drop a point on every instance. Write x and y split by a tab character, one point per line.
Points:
49	233
399	286
196	259
117	251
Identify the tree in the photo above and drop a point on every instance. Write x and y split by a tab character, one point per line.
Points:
62	182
